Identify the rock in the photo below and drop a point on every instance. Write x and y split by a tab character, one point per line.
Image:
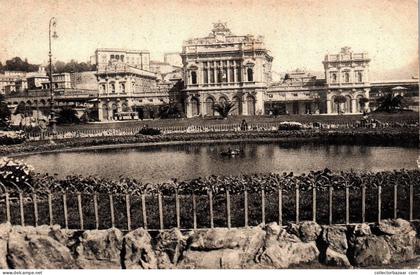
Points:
359	230
100	249
392	227
223	248
170	246
335	258
5	229
287	249
402	246
368	251
335	238
333	246
37	251
213	259
307	231
139	253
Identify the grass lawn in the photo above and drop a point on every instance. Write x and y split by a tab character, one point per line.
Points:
383	117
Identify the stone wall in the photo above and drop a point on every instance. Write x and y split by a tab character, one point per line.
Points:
264	246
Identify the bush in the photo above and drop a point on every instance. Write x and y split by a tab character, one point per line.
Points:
290	125
15	175
149	131
11	137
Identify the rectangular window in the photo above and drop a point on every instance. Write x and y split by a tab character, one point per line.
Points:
232	75
238	74
211	76
205	76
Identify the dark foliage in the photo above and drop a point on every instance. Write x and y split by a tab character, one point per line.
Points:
68	116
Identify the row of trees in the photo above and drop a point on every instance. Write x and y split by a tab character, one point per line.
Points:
19	64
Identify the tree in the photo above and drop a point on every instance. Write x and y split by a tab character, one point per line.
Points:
17	64
339	100
169	110
73	67
390	103
4	113
362	102
23	109
224	108
68	116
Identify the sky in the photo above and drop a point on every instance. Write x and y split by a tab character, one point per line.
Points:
297	32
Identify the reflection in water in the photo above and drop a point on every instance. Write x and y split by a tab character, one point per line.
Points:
156	164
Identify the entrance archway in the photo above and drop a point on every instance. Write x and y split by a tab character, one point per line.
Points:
195	106
210	106
237	111
250	104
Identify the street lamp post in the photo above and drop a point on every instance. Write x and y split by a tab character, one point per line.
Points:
54	35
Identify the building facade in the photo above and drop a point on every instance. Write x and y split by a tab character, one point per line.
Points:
225	67
347	74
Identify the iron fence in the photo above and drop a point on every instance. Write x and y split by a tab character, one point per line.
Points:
156	211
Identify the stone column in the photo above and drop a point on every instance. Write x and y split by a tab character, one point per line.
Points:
329	109
100	111
244	105
228	71
188	107
235	77
353	105
110	111
215	71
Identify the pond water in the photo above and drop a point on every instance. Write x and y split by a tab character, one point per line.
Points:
157	164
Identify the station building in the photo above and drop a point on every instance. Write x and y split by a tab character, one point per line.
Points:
225	67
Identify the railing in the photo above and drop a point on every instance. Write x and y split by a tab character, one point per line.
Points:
269	126
229	208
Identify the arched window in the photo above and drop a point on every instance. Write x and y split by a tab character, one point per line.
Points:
122	87
210	106
112	88
195	107
193	77
250	74
334	78
346	77
359	77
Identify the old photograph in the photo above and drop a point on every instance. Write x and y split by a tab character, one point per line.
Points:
193	134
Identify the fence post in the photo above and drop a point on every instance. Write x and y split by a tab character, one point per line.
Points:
363	202
128	207
177	209
143	208
160	210
314	203
379	202
111	208
50	212
411	201
194	211
297	202
280	206
95	208
211	209
79	206
35	209
66	222
228	208
347	205
22	214
330	204
8	207
246	207
263	206
395	200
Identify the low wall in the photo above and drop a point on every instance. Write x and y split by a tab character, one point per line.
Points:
263	246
